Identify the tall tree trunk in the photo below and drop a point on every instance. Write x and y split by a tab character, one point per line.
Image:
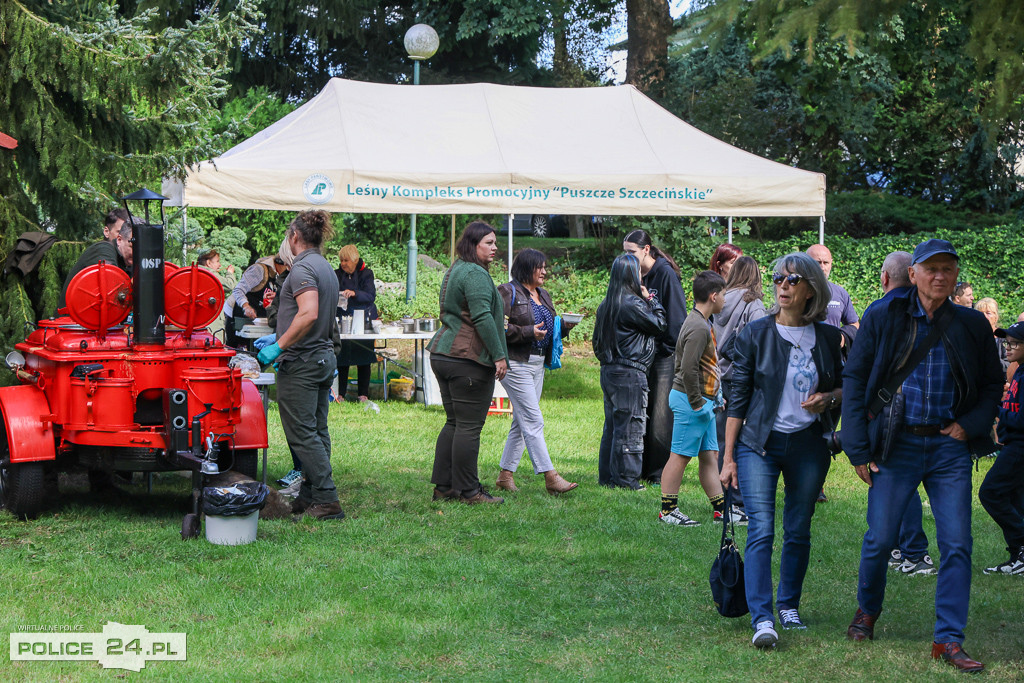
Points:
648	24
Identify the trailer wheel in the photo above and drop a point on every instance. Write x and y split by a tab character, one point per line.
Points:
190	527
246	462
21	488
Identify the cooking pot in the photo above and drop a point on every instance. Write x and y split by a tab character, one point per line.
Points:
426	324
408	325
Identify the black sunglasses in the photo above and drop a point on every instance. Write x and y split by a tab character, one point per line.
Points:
793	279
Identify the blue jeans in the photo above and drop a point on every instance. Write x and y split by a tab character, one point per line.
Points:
913	542
943	464
625	419
803	461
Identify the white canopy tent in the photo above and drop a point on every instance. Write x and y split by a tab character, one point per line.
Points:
481	148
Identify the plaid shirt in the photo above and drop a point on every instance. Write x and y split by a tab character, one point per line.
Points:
930	389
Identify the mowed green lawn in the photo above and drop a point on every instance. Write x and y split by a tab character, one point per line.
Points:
586	586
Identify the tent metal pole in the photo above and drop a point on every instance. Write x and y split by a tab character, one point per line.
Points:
511	220
410	264
730	229
821	230
184	236
451	253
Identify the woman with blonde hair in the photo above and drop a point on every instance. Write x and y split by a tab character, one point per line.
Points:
356	286
990	308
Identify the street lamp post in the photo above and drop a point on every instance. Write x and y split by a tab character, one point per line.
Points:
421	43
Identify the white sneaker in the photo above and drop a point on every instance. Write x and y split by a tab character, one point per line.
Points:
1013	566
292	491
677	518
764	635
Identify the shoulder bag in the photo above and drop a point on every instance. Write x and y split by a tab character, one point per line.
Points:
727	587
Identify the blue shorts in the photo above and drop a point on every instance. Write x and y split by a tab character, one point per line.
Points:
693	431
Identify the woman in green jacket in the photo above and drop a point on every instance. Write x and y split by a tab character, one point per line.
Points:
467	355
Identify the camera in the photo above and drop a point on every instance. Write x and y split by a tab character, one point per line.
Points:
833	441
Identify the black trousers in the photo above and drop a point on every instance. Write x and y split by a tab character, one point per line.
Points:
1001	494
466	392
362	380
658	437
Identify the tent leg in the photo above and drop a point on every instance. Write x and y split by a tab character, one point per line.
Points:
730	229
184	236
452	252
511	219
821	230
410	265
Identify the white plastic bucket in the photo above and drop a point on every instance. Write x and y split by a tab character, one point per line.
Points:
232	530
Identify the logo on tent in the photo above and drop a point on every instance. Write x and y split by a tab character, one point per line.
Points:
318	189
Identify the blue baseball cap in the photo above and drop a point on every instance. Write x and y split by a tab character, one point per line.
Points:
929	248
1015	330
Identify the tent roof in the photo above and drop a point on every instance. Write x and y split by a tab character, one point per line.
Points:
482	148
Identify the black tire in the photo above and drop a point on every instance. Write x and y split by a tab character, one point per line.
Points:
246	462
21	489
190	527
540	225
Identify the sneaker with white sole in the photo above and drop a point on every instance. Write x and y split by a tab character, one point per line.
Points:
290	478
677	518
921	567
739	517
790	620
895	559
293	490
764	635
1013	566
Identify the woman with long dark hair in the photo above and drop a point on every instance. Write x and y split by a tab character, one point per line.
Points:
467	354
529	333
786	390
628	322
661	278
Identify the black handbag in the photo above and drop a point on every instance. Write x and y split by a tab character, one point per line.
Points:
727	587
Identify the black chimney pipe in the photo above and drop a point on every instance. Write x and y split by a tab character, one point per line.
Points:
147	272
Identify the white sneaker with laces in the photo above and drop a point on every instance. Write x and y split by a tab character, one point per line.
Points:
1013	566
677	518
764	635
922	567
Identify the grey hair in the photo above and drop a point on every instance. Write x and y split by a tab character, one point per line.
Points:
897	265
803	265
126	228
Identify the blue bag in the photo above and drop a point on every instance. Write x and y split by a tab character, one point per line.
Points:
556	345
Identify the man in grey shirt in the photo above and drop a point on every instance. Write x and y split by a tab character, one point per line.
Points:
840	312
306	362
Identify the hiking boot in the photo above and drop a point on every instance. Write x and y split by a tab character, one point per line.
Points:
862	627
921	567
290	478
764	635
895	559
790	620
1013	566
325	511
481	496
738	516
677	518
443	495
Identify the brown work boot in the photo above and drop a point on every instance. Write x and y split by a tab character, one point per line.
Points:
862	627
954	655
506	482
299	505
481	496
325	511
555	484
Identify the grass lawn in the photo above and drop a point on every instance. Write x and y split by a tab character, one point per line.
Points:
586	586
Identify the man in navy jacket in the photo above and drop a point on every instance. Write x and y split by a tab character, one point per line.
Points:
950	401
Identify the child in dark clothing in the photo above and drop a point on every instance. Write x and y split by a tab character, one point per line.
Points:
1000	493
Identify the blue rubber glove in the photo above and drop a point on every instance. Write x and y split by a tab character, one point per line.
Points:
265	341
269	354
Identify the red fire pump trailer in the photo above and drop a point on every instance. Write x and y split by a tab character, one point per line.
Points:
98	393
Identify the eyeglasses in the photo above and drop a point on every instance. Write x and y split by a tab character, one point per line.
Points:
1011	345
793	279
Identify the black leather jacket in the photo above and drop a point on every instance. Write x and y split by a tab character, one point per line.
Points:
760	360
638	324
